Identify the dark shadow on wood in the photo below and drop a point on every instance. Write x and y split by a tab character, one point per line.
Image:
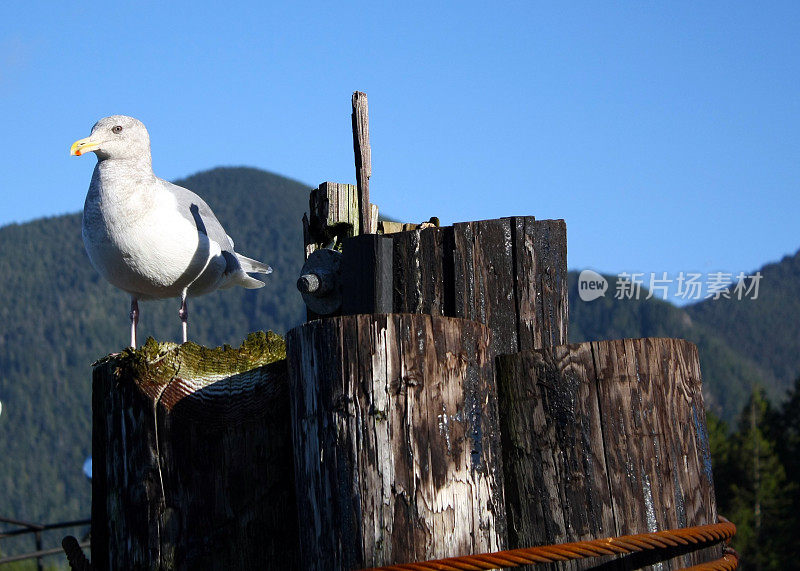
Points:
204	479
645	558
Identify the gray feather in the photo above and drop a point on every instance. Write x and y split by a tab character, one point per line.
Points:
254	266
196	211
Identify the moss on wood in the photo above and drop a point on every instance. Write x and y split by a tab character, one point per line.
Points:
155	363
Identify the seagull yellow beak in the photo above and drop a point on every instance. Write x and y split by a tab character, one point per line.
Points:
83	146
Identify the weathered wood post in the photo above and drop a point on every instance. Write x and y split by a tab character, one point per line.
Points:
603	439
510	273
192	459
599	440
396	438
394	416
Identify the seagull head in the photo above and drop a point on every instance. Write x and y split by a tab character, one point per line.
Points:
116	137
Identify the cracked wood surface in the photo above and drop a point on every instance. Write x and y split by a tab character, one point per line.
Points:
509	273
396	419
604	439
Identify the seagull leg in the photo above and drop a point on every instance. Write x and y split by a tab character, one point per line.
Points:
134	320
183	313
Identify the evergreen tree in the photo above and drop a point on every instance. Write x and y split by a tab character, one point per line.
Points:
786	433
726	472
760	497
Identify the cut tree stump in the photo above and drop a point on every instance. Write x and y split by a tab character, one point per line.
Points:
604	439
395	425
192	458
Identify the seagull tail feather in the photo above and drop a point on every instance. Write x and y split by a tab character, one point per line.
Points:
242	279
253	266
250	283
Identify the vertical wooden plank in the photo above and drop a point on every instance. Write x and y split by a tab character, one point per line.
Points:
556	485
318	353
363	153
686	439
375	432
423	271
551	272
366	274
627	427
436	271
407	294
333	216
416	541
483	270
540	280
102	379
126	487
482	427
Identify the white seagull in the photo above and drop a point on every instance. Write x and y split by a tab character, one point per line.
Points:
149	237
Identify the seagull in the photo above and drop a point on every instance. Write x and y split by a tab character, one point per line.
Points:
149	237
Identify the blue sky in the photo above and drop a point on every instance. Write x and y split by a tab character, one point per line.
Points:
666	134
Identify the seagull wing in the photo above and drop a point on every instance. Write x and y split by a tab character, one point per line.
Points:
196	211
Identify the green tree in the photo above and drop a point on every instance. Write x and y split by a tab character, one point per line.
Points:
786	433
726	471
760	496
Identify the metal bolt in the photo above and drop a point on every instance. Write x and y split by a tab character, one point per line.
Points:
309	283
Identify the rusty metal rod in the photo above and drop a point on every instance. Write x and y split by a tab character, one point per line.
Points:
699	535
34	527
42	553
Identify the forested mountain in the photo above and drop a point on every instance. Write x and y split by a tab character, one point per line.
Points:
767	329
57	316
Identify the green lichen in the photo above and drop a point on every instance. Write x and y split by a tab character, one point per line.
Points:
157	363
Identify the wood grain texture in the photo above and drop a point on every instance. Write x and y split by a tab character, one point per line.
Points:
333	216
553	451
192	460
423	272
484	284
510	274
540	277
652	405
363	156
396	419
603	439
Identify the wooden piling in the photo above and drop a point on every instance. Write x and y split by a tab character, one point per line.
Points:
396	431
604	439
192	459
509	273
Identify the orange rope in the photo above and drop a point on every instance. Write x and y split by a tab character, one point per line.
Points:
699	535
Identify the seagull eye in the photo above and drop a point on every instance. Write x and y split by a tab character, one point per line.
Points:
117	129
